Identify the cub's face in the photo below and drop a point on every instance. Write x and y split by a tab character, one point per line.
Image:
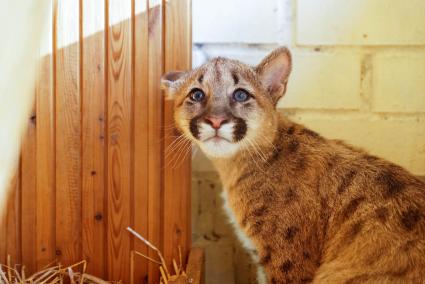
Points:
225	106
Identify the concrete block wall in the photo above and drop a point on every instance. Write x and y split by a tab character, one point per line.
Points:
358	70
358	75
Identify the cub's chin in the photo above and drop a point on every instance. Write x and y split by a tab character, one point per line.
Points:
217	147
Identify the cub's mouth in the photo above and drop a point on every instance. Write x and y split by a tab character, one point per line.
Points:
216	139
218	129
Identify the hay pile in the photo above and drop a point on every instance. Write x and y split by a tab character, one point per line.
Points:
74	274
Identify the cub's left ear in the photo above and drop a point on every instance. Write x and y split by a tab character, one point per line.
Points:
170	81
274	71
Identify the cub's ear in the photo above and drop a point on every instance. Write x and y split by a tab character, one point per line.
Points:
274	72
170	81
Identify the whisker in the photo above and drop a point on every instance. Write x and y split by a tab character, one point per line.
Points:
184	149
174	146
187	151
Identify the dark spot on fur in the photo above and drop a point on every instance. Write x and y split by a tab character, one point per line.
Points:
256	227
273	228
258	212
289	196
274	281
357	279
306	255
346	181
235	78
291	130
354	231
352	207
409	245
306	279
311	134
193	126
275	155
410	218
293	146
266	255
332	161
244	176
240	129
290	233
382	214
402	271
370	158
391	184
257	184
244	221
201	78
286	266
300	163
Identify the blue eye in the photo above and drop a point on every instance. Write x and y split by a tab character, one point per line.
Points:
197	95
240	96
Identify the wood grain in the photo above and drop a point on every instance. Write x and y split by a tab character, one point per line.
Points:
93	142
92	161
155	70
119	140
141	150
176	180
68	136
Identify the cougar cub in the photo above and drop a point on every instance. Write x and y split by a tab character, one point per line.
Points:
312	209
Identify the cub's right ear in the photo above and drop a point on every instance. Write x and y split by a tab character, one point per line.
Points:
170	81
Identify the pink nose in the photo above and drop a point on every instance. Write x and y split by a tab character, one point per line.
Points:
216	121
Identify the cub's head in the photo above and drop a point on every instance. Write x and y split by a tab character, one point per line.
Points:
225	106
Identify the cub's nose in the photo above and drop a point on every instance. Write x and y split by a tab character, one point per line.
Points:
216	121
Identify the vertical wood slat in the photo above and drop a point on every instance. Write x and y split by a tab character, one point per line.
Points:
155	70
93	146
11	224
141	150
28	192
45	163
176	180
45	167
68	136
119	139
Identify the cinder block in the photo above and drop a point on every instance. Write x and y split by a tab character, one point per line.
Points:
236	21
401	141
360	22
399	82
324	81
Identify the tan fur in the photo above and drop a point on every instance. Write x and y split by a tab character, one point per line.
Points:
316	210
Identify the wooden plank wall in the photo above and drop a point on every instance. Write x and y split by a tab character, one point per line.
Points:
93	157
